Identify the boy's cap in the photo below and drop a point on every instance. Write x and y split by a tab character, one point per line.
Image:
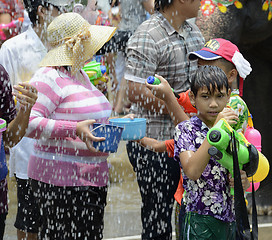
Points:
221	48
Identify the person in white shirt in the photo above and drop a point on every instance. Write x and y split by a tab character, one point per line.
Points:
20	57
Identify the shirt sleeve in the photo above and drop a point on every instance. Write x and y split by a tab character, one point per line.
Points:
184	140
41	124
141	56
170	147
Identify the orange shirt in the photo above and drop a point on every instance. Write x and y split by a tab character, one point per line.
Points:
185	102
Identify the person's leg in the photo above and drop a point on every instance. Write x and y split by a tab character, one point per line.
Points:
158	177
3	206
28	214
2	224
88	212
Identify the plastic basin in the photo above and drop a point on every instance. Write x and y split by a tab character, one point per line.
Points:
111	133
3	127
133	129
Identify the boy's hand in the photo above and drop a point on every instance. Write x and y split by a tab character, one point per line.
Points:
26	95
84	133
244	180
229	115
162	91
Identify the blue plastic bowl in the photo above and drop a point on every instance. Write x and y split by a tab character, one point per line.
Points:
111	133
133	129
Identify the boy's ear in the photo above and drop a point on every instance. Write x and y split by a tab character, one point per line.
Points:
232	76
192	97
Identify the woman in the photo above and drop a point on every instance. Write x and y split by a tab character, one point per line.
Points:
68	176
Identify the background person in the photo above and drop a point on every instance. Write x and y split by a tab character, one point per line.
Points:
16	127
20	56
159	45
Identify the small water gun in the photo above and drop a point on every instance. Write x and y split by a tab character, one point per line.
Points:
12	24
253	162
96	72
155	81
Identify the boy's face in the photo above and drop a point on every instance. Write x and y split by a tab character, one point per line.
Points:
210	104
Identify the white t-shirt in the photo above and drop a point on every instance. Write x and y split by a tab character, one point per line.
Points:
20	57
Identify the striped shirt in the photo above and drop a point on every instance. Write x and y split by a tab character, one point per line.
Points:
60	157
156	47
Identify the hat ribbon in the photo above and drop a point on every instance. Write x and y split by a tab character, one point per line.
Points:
75	43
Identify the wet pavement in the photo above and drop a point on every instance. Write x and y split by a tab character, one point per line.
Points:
122	213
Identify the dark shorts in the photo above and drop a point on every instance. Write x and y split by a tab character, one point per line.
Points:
70	212
207	228
28	218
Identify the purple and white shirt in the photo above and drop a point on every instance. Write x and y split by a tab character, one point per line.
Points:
60	157
210	194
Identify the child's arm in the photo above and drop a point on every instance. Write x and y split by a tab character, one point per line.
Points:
153	144
194	163
164	92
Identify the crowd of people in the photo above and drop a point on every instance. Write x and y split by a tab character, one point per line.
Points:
50	105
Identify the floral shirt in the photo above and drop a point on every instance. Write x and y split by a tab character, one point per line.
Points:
210	194
241	109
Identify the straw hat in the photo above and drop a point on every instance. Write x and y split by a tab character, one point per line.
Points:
73	41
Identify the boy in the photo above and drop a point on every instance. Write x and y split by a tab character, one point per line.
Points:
209	204
224	54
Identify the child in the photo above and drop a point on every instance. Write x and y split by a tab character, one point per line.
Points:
224	54
209	204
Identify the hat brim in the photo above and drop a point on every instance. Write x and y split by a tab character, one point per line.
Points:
63	56
205	55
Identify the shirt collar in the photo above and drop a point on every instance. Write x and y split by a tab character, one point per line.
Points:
169	28
199	123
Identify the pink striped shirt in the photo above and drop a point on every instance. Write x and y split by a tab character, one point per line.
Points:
60	157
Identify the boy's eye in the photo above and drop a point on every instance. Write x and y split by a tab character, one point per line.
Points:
220	95
205	96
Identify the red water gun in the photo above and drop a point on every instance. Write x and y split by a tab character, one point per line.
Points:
12	24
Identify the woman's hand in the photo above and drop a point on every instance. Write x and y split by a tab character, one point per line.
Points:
26	95
84	133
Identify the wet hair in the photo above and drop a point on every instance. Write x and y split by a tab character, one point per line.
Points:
211	77
162	4
31	6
